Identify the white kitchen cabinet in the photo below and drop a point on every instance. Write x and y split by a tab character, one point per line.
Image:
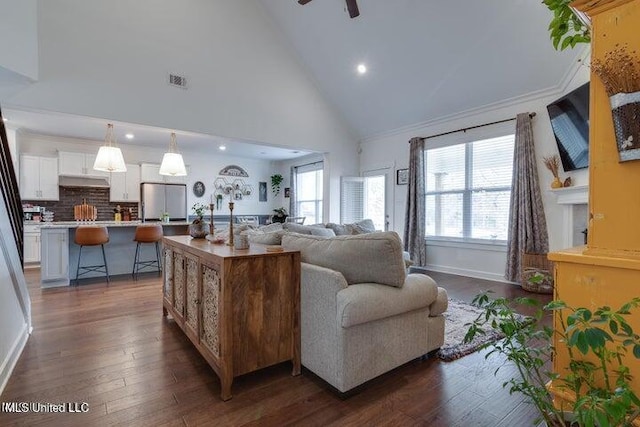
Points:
125	186
31	244
38	178
54	262
78	164
150	172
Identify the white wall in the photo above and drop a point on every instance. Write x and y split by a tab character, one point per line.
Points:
19	35
478	260
204	166
111	60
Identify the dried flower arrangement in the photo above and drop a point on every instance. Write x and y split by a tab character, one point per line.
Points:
553	164
619	70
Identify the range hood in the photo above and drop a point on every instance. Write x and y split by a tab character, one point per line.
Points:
81	181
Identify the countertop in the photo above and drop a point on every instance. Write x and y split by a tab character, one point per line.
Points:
75	224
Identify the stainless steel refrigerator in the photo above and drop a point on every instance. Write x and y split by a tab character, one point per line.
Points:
160	198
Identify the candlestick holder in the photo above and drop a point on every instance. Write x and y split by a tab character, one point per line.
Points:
230	224
211	227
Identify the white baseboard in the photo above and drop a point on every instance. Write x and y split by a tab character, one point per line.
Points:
6	368
468	273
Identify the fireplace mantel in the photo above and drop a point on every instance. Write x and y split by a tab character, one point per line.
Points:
576	195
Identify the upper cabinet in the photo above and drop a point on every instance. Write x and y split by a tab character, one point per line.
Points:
78	164
125	186
150	172
38	178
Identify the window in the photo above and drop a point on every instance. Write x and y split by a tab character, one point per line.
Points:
468	190
364	197
309	192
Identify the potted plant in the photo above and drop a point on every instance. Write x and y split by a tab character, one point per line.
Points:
568	27
198	228
276	180
596	342
280	215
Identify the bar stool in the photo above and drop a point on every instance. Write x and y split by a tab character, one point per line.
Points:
91	236
146	234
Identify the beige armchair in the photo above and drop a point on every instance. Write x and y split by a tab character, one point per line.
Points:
361	314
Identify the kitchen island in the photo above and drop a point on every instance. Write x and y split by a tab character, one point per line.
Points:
59	253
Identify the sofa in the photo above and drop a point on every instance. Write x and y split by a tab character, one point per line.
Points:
361	314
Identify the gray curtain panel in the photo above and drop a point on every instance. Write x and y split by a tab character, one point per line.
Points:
527	223
414	219
292	192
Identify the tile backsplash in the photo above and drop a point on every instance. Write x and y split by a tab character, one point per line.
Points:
71	196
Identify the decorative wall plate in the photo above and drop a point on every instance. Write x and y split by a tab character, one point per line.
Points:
198	188
233	170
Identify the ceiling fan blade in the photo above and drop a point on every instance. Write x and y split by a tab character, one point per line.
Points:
352	7
303	2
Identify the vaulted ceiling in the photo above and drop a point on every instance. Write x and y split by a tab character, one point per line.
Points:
254	66
426	59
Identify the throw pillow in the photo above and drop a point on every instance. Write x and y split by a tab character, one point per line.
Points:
271	227
364	226
321	231
270	238
364	258
297	228
340	229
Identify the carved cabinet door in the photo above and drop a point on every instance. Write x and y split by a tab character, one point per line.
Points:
178	285
211	302
167	286
192	301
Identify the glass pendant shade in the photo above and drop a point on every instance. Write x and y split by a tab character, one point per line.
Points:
172	163
109	158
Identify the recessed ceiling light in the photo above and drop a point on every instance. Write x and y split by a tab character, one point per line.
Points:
263	152
295	152
222	147
361	68
129	135
4	119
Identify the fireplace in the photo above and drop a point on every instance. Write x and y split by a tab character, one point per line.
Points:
575	214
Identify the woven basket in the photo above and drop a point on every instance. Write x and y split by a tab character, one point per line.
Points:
536	264
625	109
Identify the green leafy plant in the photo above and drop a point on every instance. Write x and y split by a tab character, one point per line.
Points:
602	391
199	209
276	180
566	28
280	211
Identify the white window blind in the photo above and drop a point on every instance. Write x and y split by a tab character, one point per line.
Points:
468	188
352	195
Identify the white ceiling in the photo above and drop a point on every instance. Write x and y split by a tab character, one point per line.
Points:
426	59
88	128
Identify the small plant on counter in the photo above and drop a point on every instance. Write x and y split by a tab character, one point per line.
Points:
199	210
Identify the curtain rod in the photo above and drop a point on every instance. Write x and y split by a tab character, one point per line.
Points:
532	115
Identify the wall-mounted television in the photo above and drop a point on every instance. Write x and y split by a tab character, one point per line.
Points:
570	122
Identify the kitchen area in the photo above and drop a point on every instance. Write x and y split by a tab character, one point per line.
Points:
83	196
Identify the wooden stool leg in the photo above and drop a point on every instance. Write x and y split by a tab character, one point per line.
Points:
106	267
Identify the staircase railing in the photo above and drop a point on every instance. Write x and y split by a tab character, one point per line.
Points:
10	191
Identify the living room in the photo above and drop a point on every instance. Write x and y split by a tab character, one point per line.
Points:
258	80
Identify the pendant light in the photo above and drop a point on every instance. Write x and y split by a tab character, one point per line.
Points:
172	163
109	158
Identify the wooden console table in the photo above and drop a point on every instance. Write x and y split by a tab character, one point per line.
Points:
239	308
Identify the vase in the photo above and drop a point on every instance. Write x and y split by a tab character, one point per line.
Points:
198	229
556	183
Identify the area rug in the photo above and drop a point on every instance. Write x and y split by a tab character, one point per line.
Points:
456	317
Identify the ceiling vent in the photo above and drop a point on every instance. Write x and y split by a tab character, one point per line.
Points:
179	81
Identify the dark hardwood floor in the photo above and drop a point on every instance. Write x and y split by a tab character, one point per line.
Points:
109	346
